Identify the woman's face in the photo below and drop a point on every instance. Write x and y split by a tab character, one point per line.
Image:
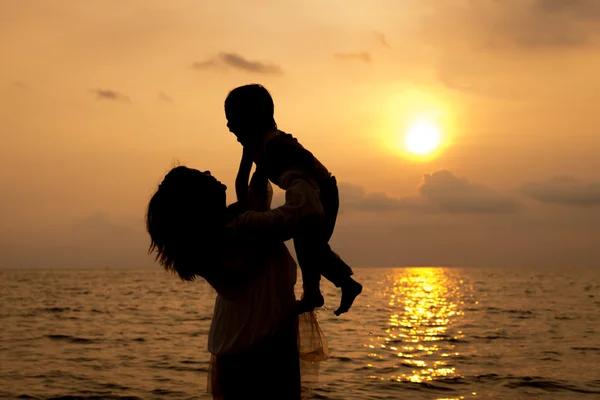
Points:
191	185
213	184
214	180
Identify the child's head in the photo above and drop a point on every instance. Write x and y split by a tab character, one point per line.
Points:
184	219
249	110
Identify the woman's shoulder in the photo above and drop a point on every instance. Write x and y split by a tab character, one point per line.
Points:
232	269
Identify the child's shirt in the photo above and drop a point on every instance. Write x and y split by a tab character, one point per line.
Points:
281	154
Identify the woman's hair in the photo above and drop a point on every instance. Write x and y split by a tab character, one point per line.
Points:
185	218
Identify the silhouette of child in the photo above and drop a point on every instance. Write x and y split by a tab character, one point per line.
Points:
279	156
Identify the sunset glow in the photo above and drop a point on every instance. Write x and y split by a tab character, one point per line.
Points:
430	115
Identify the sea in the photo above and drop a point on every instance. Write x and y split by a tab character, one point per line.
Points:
414	333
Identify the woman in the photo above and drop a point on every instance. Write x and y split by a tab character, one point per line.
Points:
254	332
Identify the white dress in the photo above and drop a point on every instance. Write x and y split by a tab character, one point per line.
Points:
244	314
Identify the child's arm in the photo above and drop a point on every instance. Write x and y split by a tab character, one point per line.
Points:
243	175
260	192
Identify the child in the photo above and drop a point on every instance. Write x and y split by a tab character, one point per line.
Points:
249	110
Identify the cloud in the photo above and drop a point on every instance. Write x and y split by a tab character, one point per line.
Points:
94	240
107	94
458	73
439	192
516	24
382	39
564	190
364	56
354	197
21	86
164	97
483	46
239	62
94	221
103	226
449	193
210	63
581	9
391	231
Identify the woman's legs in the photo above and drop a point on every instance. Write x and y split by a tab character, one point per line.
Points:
270	370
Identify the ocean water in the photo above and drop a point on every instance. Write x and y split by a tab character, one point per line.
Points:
414	333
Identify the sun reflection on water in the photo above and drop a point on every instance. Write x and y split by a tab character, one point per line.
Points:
424	303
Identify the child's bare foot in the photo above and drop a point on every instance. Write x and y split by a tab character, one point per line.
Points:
309	302
350	290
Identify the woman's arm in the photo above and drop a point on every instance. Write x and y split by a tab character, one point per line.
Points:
302	207
253	230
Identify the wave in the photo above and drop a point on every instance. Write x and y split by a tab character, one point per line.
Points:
182	368
81	340
521	314
94	397
537	382
424	385
432	338
492	337
342	359
137	339
586	348
548	385
56	309
165	392
71	339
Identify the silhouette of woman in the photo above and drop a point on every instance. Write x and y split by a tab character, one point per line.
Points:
254	335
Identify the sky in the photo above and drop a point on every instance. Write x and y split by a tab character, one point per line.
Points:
100	98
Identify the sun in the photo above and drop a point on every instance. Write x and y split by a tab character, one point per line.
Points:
423	138
417	126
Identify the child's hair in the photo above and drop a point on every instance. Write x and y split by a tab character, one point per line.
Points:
184	220
251	107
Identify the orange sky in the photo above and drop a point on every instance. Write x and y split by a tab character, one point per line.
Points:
99	97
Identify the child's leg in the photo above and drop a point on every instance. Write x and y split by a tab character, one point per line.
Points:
339	273
333	268
307	252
